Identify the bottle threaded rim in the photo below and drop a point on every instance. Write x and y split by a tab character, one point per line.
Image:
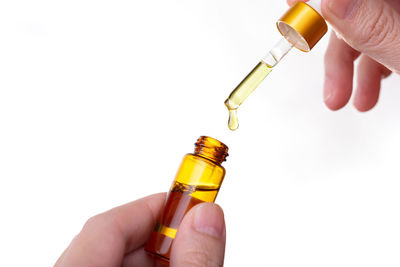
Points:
211	149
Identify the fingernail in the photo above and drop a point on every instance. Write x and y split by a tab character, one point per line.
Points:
209	220
342	8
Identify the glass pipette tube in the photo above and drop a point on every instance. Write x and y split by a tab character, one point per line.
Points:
254	78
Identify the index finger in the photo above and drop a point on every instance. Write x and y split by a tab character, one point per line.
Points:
107	237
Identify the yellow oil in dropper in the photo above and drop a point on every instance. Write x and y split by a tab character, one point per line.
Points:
253	80
243	90
302	26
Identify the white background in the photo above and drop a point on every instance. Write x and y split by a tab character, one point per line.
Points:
100	100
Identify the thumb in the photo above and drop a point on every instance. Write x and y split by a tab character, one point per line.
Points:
369	26
200	240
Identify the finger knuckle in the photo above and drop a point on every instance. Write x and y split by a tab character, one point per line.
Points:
198	258
379	29
92	221
98	220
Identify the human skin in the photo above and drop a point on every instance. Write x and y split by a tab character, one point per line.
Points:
365	29
117	237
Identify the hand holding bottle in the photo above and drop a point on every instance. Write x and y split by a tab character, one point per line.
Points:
117	237
366	28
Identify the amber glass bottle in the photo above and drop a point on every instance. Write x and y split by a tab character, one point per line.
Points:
198	180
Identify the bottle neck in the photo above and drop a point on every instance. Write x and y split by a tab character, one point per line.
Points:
211	149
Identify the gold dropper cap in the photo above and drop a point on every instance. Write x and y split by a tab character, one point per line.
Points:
302	26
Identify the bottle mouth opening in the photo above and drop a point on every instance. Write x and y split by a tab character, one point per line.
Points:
211	149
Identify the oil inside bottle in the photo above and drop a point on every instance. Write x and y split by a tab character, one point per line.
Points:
243	90
180	200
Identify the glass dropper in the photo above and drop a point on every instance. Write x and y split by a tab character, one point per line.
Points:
302	26
254	78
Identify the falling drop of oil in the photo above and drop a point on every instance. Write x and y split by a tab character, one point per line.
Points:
233	122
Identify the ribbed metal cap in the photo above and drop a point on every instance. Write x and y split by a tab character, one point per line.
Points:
302	26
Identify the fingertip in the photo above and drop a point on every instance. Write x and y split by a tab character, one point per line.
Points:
335	96
292	2
200	240
339	64
205	219
364	108
364	103
209	219
370	74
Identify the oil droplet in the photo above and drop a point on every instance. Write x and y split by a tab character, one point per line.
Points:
233	122
243	90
